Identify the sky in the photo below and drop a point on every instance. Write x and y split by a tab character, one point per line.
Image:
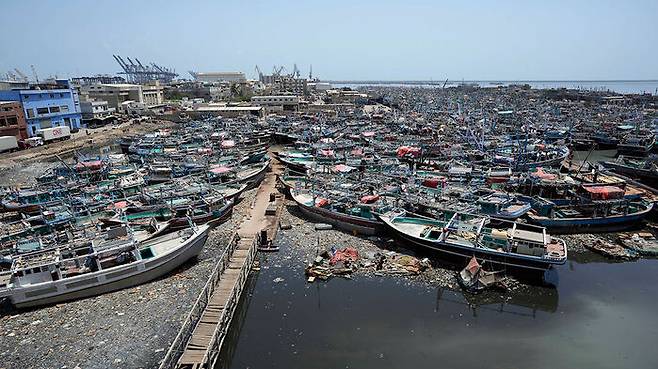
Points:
343	40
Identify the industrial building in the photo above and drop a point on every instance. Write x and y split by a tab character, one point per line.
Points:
96	112
117	94
97	79
218	77
284	102
45	108
12	120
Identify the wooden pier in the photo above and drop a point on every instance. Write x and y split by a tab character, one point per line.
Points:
200	339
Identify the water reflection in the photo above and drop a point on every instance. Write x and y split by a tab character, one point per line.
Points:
382	322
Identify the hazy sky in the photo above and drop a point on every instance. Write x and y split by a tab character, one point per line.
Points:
355	39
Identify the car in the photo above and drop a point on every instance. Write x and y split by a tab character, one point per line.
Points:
31	142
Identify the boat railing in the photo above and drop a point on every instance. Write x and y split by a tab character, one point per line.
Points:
221	330
178	345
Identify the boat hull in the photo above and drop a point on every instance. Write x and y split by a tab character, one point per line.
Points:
342	221
455	253
646	175
584	225
128	275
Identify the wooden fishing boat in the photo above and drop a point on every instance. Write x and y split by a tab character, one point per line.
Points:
357	218
84	269
463	236
503	206
211	210
645	170
606	216
592	207
636	145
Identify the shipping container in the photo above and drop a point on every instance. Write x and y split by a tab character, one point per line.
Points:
55	133
8	143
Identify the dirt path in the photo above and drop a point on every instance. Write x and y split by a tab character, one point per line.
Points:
20	167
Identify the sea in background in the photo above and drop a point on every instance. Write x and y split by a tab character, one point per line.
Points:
622	87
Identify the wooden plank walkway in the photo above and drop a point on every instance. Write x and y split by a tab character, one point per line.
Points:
202	348
195	352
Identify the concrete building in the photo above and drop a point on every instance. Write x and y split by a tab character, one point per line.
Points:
117	94
226	111
12	120
96	112
218	77
48	107
97	79
14	85
283	102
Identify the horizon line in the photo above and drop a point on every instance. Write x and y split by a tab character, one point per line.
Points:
487	80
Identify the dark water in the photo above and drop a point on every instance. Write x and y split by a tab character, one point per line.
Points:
594	156
600	315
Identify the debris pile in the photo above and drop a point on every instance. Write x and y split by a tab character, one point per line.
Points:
345	261
611	250
643	243
474	279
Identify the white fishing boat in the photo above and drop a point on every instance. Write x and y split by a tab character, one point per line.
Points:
83	269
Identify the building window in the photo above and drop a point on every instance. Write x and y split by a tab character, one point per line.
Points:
30	112
67	121
54	109
12	121
26	97
3	123
64	108
34	130
52	96
42	111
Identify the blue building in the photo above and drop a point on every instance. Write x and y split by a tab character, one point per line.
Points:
56	106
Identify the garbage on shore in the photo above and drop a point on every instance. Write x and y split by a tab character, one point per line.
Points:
641	244
474	279
611	250
345	261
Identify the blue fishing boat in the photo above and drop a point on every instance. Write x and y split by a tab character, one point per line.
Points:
463	236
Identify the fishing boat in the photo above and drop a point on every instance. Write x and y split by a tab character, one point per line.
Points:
636	145
605	140
93	267
463	236
209	209
645	170
353	217
601	208
503	206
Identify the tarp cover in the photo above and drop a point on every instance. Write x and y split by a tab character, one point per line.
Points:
408	150
369	199
220	170
605	192
228	144
342	168
320	202
89	165
539	173
346	254
432	182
